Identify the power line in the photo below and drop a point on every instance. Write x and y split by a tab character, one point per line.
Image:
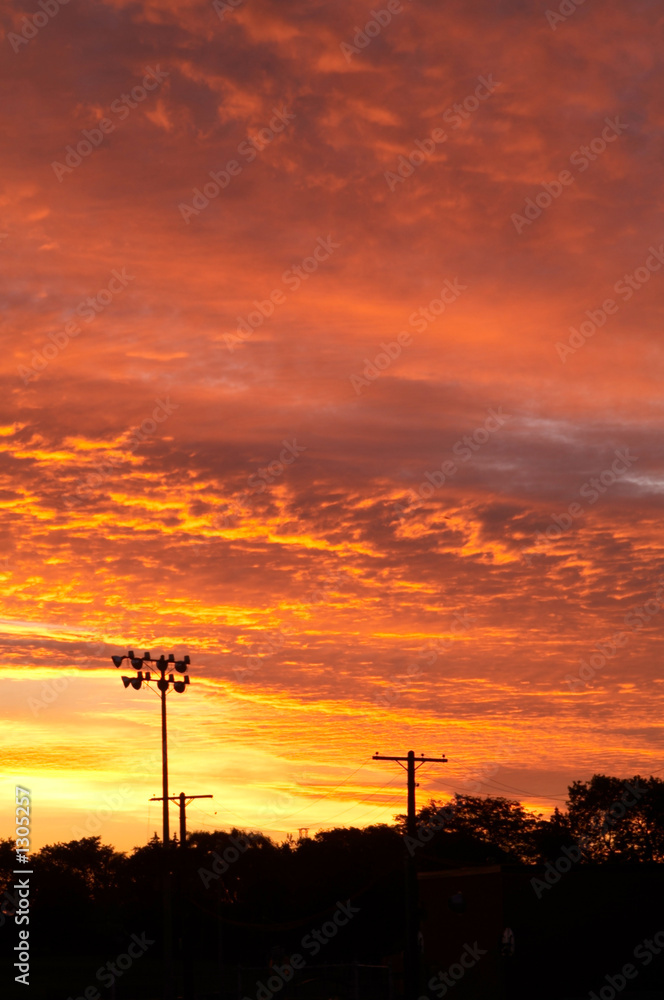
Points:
327	794
512	788
313	823
363	801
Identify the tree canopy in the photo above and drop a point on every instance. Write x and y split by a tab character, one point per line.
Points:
240	880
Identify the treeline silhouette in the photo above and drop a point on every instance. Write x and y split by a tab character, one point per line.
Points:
244	896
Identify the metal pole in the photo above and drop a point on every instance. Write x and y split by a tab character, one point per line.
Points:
164	764
168	897
162	666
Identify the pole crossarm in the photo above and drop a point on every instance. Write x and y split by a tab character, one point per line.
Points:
188	798
418	760
182	801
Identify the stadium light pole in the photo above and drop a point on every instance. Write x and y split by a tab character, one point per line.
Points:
164	683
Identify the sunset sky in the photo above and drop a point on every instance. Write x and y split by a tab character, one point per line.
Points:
370	425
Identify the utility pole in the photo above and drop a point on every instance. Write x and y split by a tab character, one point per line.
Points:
183	801
182	921
411	764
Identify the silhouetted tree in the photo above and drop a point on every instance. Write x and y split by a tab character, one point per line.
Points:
77	890
618	819
241	895
475	830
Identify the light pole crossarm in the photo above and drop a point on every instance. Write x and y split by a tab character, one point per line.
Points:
418	760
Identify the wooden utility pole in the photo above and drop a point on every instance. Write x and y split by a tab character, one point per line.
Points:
185	954
411	764
183	801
